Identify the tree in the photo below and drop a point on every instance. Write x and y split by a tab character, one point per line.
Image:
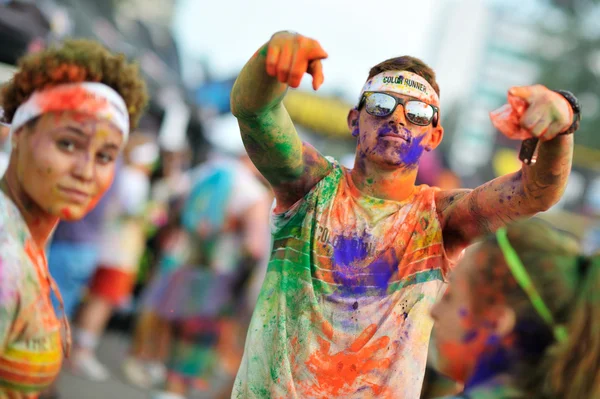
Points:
575	65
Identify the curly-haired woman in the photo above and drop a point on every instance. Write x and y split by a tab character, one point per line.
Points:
71	109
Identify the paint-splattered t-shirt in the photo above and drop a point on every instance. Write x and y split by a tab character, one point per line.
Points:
344	308
30	339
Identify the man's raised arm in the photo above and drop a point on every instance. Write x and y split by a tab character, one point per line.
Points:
468	214
290	166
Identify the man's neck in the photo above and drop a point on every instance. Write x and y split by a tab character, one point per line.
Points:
40	223
395	184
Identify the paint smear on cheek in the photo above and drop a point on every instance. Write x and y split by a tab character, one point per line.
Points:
410	153
101	191
65	213
454	358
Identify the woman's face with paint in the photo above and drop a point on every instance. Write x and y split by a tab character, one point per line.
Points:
462	332
65	161
392	141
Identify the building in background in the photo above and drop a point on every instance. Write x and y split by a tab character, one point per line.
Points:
484	49
480	50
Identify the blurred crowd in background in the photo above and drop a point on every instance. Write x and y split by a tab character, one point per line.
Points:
130	264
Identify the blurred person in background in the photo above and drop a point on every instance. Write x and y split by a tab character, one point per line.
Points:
521	316
359	256
71	109
433	172
122	243
226	219
144	366
591	238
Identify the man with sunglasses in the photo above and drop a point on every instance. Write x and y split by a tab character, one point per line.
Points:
359	256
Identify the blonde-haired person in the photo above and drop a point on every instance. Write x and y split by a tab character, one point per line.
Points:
521	317
71	109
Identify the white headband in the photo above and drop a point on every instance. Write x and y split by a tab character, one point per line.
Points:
90	98
402	82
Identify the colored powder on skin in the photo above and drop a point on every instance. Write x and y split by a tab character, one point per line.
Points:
470	336
65	212
102	134
492	362
386	129
355	130
410	153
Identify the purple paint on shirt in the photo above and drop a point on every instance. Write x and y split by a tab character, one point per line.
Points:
355	277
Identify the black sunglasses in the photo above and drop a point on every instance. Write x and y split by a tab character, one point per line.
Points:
382	104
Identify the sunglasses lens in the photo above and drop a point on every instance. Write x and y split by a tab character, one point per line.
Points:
419	112
380	104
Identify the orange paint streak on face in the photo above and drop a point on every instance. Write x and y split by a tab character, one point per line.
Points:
337	373
101	193
93	203
65	213
451	352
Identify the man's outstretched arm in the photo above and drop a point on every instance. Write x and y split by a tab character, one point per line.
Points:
468	214
290	166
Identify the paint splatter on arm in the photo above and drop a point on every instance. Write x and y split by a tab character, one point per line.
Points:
291	167
468	214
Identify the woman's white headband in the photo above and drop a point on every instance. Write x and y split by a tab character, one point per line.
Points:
90	98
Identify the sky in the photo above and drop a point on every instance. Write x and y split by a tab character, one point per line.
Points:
355	35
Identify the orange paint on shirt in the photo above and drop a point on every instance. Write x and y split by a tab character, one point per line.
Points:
336	372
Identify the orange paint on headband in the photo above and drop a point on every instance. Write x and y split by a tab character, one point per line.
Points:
71	97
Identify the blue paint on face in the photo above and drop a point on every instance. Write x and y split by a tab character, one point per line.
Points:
410	153
470	336
355	129
356	278
494	361
387	129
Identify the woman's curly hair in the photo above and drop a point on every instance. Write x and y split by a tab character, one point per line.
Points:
75	61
